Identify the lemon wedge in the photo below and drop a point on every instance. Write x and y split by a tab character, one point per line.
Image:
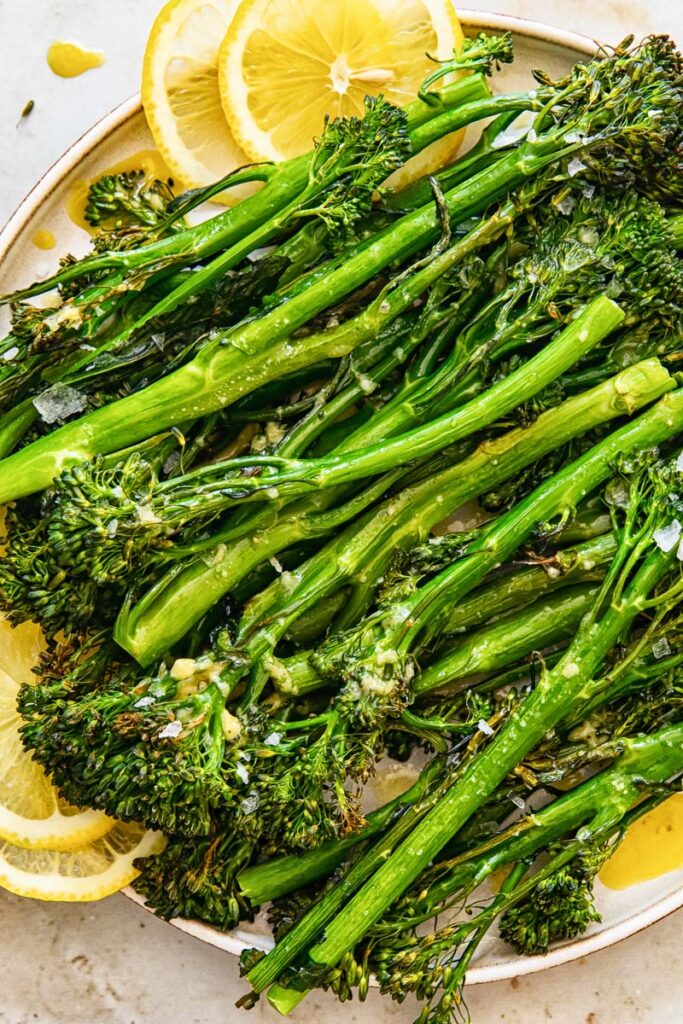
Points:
88	873
20	649
180	94
285	64
32	814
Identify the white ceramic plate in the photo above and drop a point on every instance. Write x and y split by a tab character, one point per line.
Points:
122	133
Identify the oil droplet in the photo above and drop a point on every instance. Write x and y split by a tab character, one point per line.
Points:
69	59
76	202
652	846
44	239
148	160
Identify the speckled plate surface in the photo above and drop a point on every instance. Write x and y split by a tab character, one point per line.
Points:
122	133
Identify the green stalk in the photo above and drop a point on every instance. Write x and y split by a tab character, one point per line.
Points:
219	374
148	628
400	412
274	878
292	477
23	417
260	218
584	563
514	636
228	368
361	553
198	581
563	491
654	759
284	182
599	805
647	759
552	698
194	243
405	519
267	970
635	678
512	591
545	706
485	151
599	810
268	232
198	586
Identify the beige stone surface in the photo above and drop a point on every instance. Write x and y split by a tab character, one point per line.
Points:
112	963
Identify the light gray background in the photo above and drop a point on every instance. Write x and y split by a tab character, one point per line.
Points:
112	963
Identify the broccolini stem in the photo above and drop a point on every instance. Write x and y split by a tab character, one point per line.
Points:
485	151
362	552
407	518
562	492
512	591
236	363
292	478
584	563
12	430
148	628
602	801
274	878
368	545
249	224
294	942
273	229
545	706
514	636
218	375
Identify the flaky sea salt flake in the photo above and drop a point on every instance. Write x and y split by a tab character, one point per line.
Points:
566	205
59	403
171	731
661	648
575	166
667	537
250	803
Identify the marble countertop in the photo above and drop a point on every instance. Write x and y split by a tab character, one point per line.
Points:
113	963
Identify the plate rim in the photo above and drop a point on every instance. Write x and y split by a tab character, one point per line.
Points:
62	167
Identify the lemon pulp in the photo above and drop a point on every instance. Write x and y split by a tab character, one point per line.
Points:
87	873
181	97
285	64
653	846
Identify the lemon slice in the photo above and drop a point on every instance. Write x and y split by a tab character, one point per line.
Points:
181	98
285	64
32	814
20	649
88	873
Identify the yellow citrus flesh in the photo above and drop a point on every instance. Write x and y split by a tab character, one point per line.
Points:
87	873
181	98
32	814
20	649
285	64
